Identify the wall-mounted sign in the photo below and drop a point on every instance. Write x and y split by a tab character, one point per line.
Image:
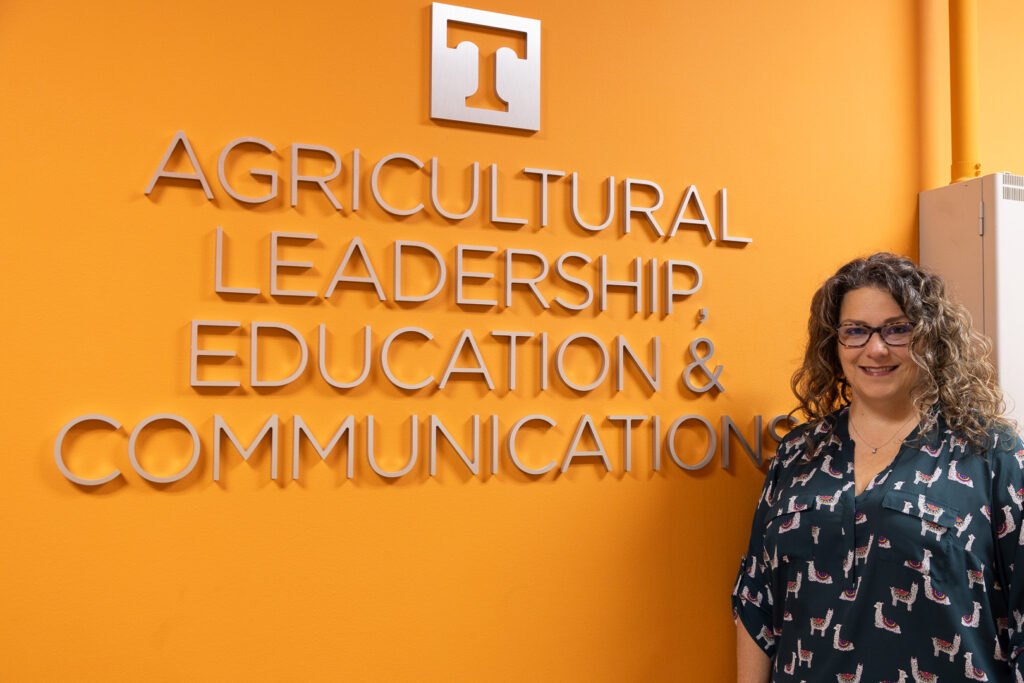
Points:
455	70
478	279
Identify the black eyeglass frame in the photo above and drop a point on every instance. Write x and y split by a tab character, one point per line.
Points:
872	330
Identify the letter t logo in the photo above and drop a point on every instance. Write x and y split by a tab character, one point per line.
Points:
455	71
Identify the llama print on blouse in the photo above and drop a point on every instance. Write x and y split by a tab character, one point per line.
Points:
848	564
926	508
946	647
1019	455
827	501
815	576
971	619
957	477
1016	495
932	594
998	653
961	524
862	552
822	623
774	561
794	586
790	524
1019	618
787	461
803	478
850	594
976	578
878	482
803	656
791	667
970	672
932	528
922	478
851	678
837	641
924	565
883	622
921	676
907	597
766	495
1008	525
826	466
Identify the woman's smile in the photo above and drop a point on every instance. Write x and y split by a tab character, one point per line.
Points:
879	371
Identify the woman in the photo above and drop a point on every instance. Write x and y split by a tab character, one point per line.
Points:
885	541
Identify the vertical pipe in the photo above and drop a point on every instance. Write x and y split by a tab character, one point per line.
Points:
963	87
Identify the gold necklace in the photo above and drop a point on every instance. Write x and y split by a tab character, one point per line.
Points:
874	449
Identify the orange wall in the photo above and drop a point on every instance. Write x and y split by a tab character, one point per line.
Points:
1002	110
809	113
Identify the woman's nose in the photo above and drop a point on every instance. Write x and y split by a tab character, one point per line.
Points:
876	345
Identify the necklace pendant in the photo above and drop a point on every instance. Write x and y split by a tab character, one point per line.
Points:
873	451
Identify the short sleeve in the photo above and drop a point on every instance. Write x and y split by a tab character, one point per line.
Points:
751	601
1008	530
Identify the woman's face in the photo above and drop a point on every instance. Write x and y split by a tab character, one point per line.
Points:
880	376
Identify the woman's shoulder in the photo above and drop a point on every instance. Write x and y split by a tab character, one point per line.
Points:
1001	440
1000	456
1006	451
813	431
805	441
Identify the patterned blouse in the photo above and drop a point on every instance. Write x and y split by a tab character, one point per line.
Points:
912	580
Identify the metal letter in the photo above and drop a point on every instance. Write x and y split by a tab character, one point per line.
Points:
512	444
58	450
320	181
671	435
174	477
255	172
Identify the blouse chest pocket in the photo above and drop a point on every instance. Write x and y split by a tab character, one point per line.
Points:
800	528
919	534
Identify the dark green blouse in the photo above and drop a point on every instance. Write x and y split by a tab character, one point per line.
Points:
912	580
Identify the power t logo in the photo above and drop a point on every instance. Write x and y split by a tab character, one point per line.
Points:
455	72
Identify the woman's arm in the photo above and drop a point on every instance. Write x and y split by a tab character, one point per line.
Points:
1006	490
752	664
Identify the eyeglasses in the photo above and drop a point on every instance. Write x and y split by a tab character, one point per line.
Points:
852	335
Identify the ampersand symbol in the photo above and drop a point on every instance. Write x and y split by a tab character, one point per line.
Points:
698	362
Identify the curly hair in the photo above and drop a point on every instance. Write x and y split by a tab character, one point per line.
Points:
956	377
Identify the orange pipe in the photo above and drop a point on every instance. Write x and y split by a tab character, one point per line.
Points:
963	87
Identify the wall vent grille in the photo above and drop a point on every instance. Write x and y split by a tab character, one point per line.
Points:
1013	187
1013	193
